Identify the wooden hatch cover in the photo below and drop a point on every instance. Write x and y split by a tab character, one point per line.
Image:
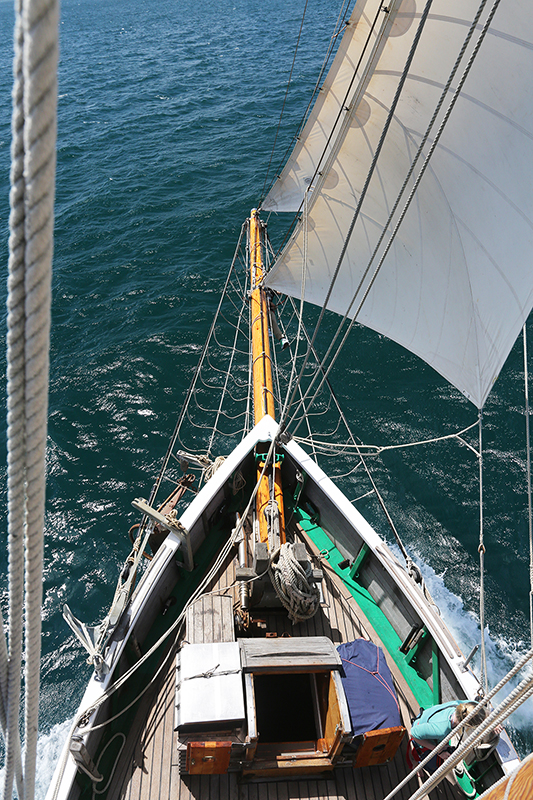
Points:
298	654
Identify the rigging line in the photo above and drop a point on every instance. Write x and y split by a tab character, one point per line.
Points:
16	432
344	103
286	94
513	701
380	499
327	382
184	408
380	449
414	189
228	375
110	690
336	30
505	680
528	471
481	550
274	358
314	454
34	124
368	178
411	169
300	313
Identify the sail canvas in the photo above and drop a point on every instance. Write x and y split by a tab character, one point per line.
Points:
456	283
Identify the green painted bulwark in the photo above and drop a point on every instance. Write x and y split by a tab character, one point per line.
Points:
391	641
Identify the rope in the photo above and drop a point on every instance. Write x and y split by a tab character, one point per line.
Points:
223	392
300	313
504	710
378	676
184	410
528	472
481	550
413	190
212	468
293	585
30	260
341	113
175	627
412	570
365	186
378	449
341	19
515	699
15	422
285	97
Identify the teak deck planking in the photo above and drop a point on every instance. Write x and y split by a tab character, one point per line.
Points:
148	768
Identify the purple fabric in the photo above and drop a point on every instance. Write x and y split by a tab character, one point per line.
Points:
368	686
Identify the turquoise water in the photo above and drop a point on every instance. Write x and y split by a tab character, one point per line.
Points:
167	115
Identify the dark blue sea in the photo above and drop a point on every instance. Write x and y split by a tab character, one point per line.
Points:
167	116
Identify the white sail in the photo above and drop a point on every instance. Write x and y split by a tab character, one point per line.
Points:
457	284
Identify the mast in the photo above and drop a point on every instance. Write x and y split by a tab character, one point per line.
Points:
263	394
269	515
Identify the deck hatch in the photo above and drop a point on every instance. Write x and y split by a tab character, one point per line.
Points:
209	689
298	654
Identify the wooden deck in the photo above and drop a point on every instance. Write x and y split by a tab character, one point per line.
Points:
148	768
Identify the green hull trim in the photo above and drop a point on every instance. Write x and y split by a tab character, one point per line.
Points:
392	642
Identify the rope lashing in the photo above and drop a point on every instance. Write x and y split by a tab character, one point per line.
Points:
293	584
212	468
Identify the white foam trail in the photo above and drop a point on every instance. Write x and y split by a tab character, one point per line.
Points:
465	626
49	747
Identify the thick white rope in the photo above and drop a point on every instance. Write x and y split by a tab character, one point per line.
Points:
29	282
15	424
510	704
16	755
504	710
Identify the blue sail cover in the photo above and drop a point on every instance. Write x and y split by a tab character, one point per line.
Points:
367	682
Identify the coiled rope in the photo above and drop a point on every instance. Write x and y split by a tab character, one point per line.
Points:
28	322
293	584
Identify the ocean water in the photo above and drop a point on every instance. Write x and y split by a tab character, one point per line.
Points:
167	117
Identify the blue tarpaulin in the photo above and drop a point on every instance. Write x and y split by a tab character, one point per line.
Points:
367	682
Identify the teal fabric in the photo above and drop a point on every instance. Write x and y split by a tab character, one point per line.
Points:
434	724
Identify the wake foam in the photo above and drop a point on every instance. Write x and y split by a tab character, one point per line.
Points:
502	654
49	747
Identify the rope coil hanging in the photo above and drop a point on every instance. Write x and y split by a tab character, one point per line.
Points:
293	584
